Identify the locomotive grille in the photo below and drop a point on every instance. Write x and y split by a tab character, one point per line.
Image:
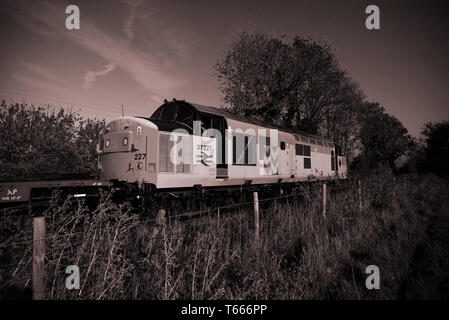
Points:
222	172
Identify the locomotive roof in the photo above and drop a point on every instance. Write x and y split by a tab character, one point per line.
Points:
230	115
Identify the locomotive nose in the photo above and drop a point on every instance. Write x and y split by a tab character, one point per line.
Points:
125	134
127	149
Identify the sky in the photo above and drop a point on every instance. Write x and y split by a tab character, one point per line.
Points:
138	53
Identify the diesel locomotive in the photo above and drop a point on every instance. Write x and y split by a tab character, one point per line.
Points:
185	146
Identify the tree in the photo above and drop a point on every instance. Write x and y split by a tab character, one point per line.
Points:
437	147
298	85
37	141
382	136
340	121
317	81
254	76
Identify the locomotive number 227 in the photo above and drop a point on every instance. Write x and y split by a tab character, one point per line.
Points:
140	156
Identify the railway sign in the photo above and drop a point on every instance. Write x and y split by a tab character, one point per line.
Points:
14	192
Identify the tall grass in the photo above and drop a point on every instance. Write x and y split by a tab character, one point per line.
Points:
301	254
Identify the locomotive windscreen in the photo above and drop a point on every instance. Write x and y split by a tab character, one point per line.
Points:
175	111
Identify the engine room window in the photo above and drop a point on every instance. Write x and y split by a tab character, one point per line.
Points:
186	154
234	150
182	156
332	160
299	148
243	149
246	150
307	163
282	145
163	145
307	151
264	147
170	164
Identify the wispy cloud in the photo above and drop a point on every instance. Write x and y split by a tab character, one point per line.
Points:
129	24
36	83
40	71
147	67
38	76
91	76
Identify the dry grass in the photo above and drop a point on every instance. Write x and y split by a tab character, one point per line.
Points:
302	255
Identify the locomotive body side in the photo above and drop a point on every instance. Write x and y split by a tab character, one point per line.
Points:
146	151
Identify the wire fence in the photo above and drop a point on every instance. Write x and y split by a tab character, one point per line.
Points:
59	254
67	246
190	214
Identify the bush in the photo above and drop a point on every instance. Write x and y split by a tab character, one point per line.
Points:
40	141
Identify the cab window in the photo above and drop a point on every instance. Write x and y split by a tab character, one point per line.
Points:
169	112
185	115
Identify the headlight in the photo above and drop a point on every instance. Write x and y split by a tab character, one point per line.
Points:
107	143
125	141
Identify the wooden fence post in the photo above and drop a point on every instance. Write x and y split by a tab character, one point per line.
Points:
256	217
324	200
360	195
38	257
160	220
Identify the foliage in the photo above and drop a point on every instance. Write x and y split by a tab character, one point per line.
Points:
401	228
437	147
341	121
254	74
383	137
37	141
